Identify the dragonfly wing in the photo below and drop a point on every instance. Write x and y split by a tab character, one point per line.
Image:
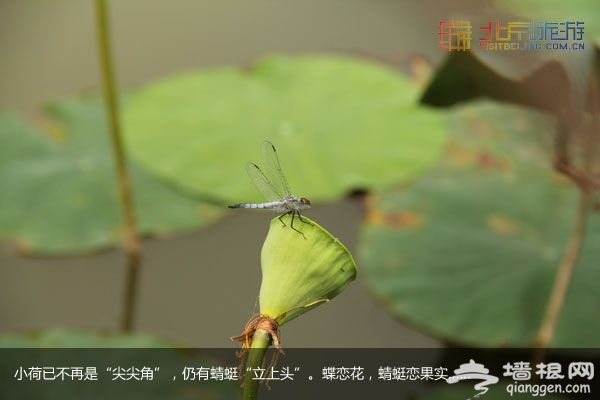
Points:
273	170
261	183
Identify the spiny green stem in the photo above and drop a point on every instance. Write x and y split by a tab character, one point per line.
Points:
261	340
131	243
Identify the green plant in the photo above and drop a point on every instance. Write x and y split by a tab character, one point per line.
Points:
299	272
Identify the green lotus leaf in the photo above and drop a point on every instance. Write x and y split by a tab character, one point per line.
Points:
58	189
301	269
338	123
470	251
60	337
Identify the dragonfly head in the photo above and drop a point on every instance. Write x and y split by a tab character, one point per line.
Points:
305	202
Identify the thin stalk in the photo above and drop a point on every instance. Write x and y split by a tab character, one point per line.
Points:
131	243
563	276
261	340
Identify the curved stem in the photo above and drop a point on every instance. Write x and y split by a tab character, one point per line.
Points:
131	243
261	340
564	274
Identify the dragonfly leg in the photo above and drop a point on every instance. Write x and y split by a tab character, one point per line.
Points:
283	215
292	223
301	220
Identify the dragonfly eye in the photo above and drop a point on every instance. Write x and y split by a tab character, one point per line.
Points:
304	200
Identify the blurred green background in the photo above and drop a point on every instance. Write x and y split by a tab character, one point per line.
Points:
188	282
199	288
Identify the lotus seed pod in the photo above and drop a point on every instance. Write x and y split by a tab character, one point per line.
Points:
301	269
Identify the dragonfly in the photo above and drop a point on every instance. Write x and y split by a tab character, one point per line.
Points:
274	187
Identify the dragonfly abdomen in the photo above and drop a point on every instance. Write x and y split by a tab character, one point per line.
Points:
274	205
